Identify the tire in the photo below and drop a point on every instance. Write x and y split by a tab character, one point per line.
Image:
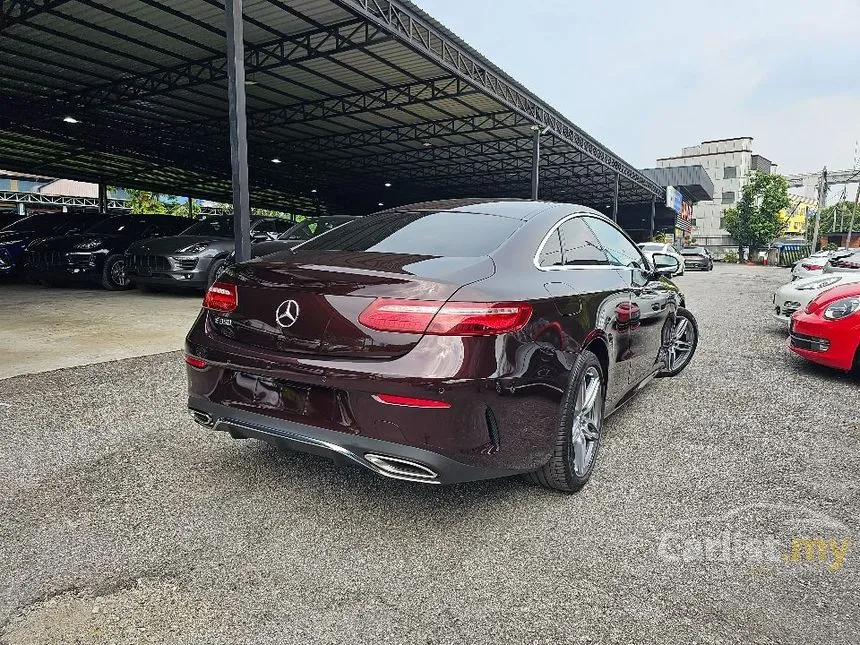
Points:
114	277
579	432
672	343
215	270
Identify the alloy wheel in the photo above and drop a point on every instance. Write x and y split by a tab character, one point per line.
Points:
587	419
680	343
118	275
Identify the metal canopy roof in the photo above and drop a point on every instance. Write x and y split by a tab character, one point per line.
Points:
348	94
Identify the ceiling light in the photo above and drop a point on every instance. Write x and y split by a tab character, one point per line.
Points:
70	119
388	184
249	82
276	160
313	190
427	144
380	204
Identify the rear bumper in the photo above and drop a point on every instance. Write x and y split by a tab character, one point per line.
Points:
408	463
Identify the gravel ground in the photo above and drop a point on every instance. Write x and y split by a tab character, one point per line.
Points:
122	522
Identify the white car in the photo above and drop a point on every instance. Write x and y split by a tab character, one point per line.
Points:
650	248
798	293
811	266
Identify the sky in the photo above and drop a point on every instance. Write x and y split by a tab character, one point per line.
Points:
648	78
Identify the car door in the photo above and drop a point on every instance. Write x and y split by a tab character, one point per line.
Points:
650	298
589	294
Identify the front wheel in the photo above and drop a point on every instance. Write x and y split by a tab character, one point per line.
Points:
580	429
114	277
680	339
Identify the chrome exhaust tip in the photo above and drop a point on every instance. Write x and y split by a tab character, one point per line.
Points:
401	468
202	418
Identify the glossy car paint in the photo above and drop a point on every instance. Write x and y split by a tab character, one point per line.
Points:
697	259
170	262
811	266
843	335
312	386
845	261
81	256
294	236
795	295
15	238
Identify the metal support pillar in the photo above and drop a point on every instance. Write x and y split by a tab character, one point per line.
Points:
190	207
615	200
238	128
22	210
102	198
822	201
535	160
853	215
651	219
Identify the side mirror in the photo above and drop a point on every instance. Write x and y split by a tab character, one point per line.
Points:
665	264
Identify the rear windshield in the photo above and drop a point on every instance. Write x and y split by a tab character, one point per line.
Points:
693	251
212	227
311	227
438	234
651	247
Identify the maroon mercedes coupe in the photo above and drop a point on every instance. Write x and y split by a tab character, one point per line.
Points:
441	342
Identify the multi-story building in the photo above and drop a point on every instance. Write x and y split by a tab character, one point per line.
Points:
728	162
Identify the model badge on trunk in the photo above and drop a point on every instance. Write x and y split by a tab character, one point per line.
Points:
287	313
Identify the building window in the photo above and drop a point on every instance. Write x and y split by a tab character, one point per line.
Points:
728	197
730	172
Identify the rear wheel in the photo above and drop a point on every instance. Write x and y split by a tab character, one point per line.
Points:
215	270
580	429
680	339
114	277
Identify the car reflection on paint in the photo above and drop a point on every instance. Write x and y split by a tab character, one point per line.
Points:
434	357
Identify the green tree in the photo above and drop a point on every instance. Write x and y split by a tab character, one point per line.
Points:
842	210
145	203
757	220
659	237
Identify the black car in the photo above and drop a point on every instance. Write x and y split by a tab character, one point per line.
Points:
194	258
98	254
7	218
15	237
698	258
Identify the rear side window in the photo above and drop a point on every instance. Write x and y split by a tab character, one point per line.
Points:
579	245
439	234
619	249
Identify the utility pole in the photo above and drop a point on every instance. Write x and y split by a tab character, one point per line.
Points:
853	214
822	199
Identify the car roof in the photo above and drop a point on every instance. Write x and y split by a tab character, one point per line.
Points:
522	209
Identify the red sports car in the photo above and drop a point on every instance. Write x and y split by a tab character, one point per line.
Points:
828	330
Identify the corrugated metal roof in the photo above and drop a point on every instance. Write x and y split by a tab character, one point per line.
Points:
348	94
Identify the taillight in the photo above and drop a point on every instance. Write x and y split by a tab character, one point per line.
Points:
221	296
812	267
411	401
196	362
445	318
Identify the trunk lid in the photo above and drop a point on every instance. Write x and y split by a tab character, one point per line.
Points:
308	302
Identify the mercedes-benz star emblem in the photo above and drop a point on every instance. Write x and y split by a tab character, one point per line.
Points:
287	313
